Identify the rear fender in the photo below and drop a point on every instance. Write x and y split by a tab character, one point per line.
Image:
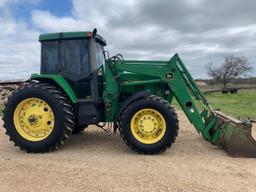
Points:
59	81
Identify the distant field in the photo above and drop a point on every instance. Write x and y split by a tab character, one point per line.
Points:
219	86
241	105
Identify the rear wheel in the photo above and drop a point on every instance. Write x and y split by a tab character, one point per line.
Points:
38	117
149	125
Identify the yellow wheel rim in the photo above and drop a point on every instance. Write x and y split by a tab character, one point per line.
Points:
33	119
148	126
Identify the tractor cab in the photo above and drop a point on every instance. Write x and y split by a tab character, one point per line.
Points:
76	56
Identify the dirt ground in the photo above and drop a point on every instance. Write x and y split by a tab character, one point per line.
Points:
99	161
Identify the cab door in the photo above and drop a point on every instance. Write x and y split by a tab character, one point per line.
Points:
75	66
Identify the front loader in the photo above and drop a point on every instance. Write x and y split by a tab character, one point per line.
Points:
79	85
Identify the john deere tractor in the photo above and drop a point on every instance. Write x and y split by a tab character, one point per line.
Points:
79	85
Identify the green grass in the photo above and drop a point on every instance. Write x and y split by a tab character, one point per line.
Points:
241	105
1	110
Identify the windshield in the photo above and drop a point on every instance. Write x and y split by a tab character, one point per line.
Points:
100	59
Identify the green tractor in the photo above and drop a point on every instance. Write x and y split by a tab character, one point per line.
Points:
79	85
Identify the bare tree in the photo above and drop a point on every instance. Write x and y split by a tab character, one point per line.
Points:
232	68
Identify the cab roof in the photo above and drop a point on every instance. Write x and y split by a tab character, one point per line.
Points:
71	35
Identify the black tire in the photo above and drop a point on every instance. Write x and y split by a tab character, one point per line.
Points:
171	119
234	91
78	129
62	110
225	91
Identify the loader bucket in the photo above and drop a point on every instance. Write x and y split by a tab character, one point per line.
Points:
236	136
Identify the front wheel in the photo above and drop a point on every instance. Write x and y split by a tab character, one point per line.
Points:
149	125
38	117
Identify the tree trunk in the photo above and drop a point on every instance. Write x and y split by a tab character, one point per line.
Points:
225	85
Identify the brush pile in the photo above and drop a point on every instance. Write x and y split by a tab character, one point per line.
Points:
7	87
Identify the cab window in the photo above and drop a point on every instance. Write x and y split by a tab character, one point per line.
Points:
100	59
50	58
75	59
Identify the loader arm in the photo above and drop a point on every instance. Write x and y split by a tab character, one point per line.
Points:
213	126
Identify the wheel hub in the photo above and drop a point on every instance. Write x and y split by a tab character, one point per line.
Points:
148	126
33	119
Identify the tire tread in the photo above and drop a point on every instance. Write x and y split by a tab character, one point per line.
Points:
62	98
164	104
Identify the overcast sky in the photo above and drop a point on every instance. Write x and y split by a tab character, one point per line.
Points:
201	31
